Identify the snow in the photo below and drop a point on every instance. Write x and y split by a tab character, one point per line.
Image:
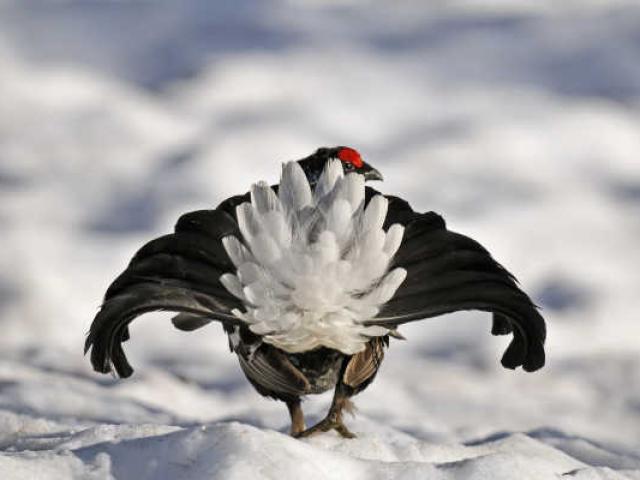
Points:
518	121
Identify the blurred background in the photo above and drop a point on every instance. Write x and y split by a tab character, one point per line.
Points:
519	122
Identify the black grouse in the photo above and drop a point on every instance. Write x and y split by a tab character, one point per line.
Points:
310	279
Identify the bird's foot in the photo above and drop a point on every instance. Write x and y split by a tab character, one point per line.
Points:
296	430
324	426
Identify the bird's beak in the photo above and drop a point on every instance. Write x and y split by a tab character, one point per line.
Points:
373	174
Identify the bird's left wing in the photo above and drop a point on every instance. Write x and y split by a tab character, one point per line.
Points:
179	272
448	272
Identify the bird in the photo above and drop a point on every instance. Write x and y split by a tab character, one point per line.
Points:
311	280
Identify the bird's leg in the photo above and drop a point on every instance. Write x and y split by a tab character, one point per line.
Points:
333	420
297	417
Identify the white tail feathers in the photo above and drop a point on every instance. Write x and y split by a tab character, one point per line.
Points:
312	266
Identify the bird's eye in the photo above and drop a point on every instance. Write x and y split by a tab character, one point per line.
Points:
348	167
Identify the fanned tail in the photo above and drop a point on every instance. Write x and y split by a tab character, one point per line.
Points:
178	272
313	263
448	272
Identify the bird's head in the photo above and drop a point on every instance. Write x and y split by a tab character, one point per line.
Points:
350	158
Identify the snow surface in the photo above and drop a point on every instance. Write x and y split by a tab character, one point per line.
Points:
518	121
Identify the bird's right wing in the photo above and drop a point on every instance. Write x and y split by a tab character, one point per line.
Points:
178	272
448	272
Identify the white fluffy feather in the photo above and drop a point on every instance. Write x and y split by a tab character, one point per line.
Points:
313	265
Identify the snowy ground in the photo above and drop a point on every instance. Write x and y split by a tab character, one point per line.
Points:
519	122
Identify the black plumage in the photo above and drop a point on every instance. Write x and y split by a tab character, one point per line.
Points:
446	272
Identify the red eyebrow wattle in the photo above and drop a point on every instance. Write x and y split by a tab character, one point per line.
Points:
351	156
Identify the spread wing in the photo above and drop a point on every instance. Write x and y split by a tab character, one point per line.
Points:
178	272
448	272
